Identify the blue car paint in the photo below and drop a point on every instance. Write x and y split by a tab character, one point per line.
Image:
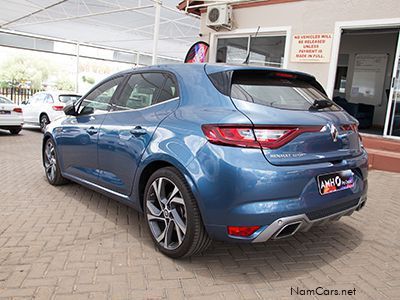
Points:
233	186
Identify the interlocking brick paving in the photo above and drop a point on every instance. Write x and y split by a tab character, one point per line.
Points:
72	243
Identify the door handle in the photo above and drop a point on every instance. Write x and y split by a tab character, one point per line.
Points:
138	130
91	130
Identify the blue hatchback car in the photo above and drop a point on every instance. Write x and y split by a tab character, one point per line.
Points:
207	151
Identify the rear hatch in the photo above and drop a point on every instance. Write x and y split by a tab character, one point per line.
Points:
293	120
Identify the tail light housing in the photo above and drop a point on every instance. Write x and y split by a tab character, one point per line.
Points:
269	137
58	107
349	127
18	110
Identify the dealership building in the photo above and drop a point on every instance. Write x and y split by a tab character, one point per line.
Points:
351	47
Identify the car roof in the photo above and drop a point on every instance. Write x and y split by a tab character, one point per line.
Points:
209	68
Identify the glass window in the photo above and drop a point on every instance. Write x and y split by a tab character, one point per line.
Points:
267	51
99	100
48	98
262	50
294	94
69	98
145	89
232	50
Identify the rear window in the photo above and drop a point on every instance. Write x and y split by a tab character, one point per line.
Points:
69	98
285	93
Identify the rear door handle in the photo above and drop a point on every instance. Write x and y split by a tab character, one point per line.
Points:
91	130
138	130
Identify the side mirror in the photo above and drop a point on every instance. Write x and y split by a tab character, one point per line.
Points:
69	110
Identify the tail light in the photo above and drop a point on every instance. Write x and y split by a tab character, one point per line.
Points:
18	110
58	107
270	137
349	127
243	231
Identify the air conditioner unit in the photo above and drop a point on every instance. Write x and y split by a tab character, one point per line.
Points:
219	16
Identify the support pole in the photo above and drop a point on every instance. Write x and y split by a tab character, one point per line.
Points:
157	5
77	69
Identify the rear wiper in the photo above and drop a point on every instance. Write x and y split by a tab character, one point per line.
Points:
320	104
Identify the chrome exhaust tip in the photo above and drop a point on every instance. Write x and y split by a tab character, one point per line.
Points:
288	230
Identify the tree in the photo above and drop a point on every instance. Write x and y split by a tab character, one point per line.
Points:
21	69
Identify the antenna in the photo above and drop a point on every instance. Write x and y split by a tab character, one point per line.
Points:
246	61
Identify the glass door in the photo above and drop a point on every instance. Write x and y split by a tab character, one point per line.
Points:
392	127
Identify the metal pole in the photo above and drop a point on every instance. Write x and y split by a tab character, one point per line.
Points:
77	69
156	30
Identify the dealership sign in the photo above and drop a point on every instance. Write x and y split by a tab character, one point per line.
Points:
313	48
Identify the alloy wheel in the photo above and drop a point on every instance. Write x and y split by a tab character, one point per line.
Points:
50	162
44	121
166	213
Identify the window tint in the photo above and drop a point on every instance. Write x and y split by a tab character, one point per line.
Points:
37	98
276	92
143	90
100	99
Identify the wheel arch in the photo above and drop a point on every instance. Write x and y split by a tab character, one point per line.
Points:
150	166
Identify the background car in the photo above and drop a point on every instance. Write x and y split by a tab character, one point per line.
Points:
233	153
11	117
43	107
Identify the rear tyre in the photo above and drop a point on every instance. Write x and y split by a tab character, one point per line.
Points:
51	165
172	215
15	131
44	120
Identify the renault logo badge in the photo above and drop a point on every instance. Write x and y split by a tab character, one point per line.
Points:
334	132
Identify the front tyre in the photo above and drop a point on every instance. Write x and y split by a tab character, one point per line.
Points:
172	215
51	165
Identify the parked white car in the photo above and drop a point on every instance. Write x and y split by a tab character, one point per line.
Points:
10	116
43	107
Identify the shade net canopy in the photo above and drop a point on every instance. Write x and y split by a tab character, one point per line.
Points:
123	24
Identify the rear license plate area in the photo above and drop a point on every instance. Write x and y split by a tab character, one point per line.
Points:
334	182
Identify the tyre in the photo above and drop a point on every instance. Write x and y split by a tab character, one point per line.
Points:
15	131
51	165
44	120
172	215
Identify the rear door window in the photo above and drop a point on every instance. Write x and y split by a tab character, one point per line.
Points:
284	93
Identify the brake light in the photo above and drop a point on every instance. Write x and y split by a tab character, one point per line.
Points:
243	231
18	110
58	107
285	75
270	137
349	127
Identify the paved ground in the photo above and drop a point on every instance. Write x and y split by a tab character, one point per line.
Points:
71	243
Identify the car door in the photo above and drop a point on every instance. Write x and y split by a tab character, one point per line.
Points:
129	127
77	142
32	107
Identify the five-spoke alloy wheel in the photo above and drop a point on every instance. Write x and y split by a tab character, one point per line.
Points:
172	215
50	163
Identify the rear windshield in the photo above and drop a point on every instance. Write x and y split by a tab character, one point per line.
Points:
284	93
69	98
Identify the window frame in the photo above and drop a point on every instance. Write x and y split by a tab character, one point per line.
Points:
126	80
250	32
118	90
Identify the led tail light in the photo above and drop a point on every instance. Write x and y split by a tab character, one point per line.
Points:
18	110
270	137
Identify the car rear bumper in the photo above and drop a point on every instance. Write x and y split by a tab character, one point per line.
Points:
11	121
238	187
288	226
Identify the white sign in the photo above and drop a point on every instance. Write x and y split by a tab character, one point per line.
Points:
312	48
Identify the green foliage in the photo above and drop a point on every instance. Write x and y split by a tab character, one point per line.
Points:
64	84
88	79
25	68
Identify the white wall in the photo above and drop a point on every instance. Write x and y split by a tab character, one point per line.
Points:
310	16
